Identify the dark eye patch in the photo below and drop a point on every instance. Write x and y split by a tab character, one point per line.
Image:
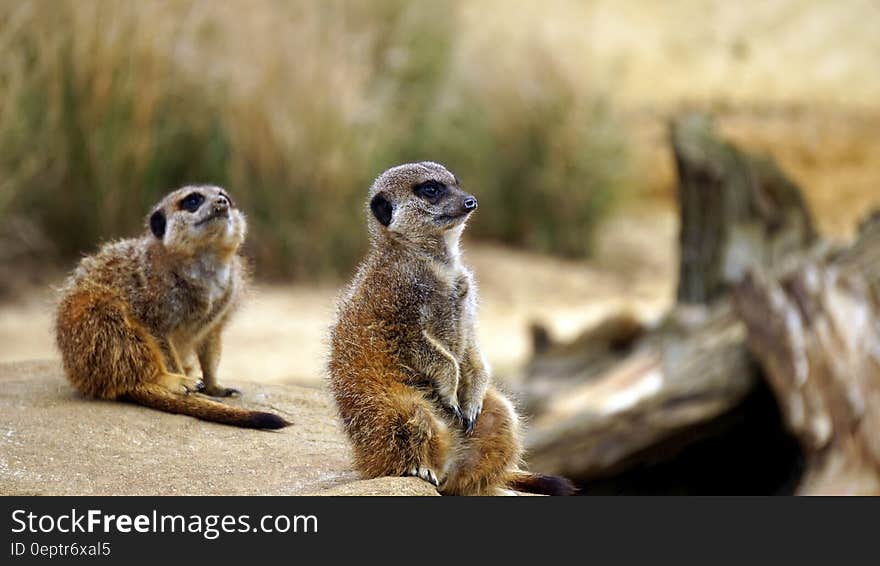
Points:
432	191
192	202
157	224
382	209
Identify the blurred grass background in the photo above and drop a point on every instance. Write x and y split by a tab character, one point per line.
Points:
553	113
295	107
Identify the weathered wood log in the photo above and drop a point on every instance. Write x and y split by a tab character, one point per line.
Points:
563	364
693	368
816	332
737	210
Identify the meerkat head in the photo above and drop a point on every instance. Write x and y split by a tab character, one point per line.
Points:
416	201
198	219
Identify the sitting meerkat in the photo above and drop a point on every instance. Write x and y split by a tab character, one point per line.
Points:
411	385
134	317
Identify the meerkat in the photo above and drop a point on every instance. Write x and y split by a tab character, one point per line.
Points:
134	318
411	385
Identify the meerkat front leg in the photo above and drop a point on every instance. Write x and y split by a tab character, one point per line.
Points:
209	358
429	357
474	383
173	378
189	363
169	352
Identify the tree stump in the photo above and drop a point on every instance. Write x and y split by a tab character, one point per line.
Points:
737	210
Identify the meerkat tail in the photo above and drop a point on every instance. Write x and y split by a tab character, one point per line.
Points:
157	397
542	484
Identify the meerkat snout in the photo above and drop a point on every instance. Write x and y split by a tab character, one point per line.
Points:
221	204
219	209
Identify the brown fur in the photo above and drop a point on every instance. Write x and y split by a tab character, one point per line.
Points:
134	317
410	383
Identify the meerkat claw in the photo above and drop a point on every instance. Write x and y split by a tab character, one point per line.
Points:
424	473
189	387
469	425
470	418
456	410
217	391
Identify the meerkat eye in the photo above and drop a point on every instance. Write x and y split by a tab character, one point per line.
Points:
429	190
192	202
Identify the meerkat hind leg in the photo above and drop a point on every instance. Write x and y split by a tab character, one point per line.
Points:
425	438
405	435
486	457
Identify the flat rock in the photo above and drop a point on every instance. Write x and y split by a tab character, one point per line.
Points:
382	486
53	441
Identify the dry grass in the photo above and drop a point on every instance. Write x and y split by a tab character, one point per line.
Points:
295	107
283	102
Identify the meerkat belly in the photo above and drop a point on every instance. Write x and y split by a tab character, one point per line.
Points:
449	314
204	312
204	317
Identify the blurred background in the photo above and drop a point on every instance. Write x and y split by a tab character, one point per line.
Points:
554	114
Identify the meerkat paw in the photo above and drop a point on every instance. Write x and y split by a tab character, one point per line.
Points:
179	383
450	403
425	473
456	411
470	413
217	390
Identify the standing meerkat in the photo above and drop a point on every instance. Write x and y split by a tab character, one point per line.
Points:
134	318
411	385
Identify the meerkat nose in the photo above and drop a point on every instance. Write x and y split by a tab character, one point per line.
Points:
221	203
470	203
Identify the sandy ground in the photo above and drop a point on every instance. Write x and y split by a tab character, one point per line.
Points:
280	334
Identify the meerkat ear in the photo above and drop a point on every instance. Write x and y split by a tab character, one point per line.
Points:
157	224
382	209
